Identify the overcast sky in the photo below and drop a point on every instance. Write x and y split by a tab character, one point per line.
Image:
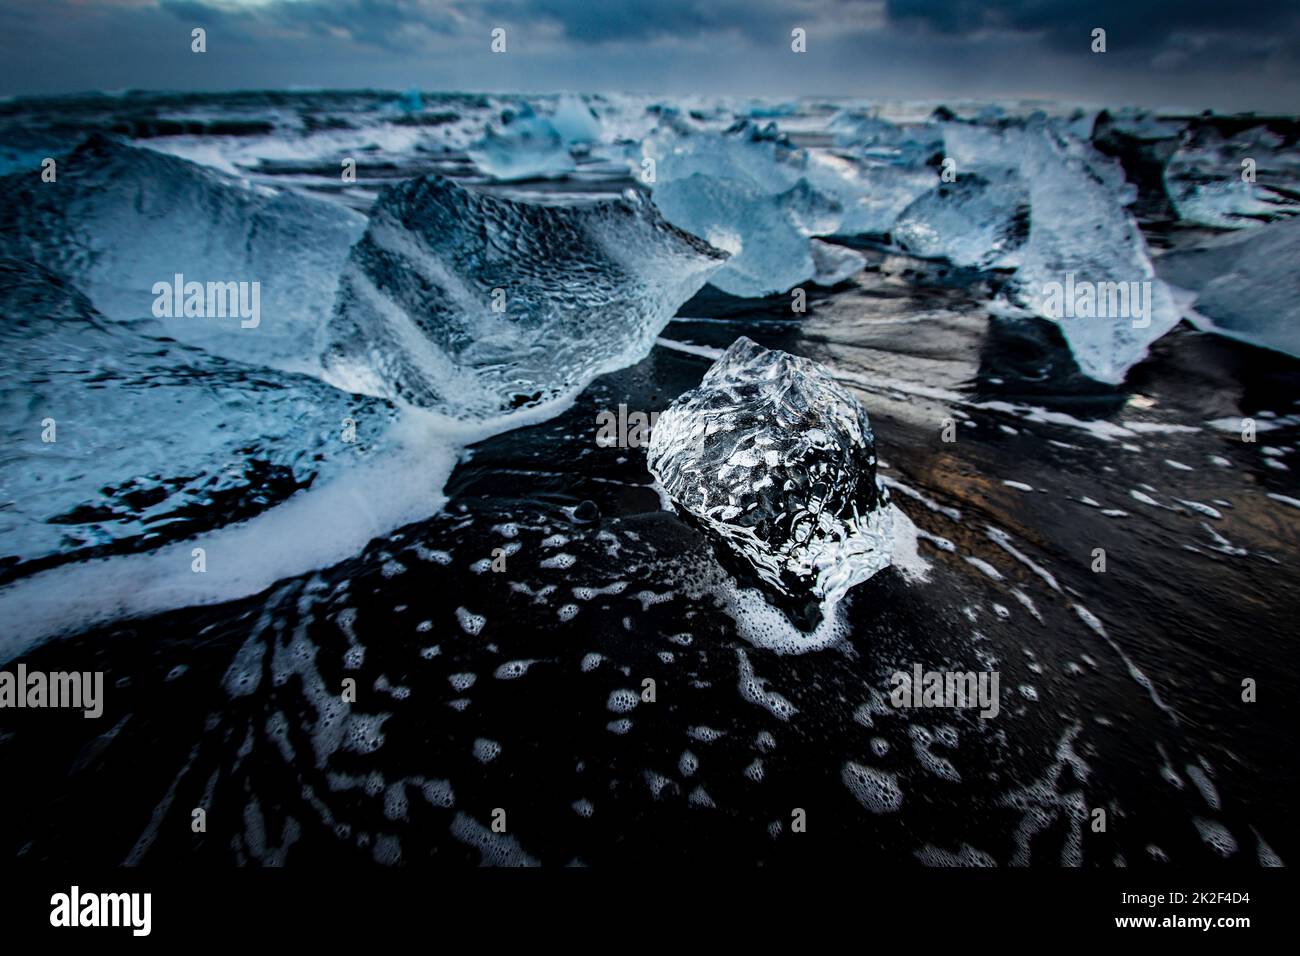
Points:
1191	53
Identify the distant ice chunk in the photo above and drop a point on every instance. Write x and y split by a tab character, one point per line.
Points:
475	305
767	234
748	190
121	219
1246	285
411	101
1140	124
743	191
523	146
767	109
528	145
1082	243
1229	203
834	264
871	136
871	193
776	460
758	157
574	120
1204	178
879	168
979	221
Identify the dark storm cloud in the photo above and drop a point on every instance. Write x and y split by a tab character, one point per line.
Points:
387	23
633	20
1140	24
395	23
1191	52
384	24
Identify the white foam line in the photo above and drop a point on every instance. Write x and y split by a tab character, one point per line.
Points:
1143	681
313	529
1003	540
984	566
702	350
1100	429
1159	428
906	557
879	383
1028	602
912	493
1106	431
1261	424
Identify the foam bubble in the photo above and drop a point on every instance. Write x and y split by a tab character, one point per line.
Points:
876	790
511	670
623	701
470	623
1216	836
486	750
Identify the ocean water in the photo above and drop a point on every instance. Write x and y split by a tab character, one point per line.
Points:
499	587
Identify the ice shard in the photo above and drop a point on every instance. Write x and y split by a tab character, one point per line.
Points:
1226	182
776	462
879	169
870	135
767	234
120	220
757	157
523	146
978	221
1246	285
574	120
120	441
750	191
871	193
475	305
528	145
1081	239
743	191
834	264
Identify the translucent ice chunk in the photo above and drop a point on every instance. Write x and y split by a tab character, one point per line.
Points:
1083	243
749	191
870	193
766	233
120	220
1204	178
869	135
756	157
526	145
978	221
120	441
743	191
1140	124
834	264
474	305
574	121
1246	285
1225	203
776	461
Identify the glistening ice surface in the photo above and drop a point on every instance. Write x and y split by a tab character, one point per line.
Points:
475	305
777	459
